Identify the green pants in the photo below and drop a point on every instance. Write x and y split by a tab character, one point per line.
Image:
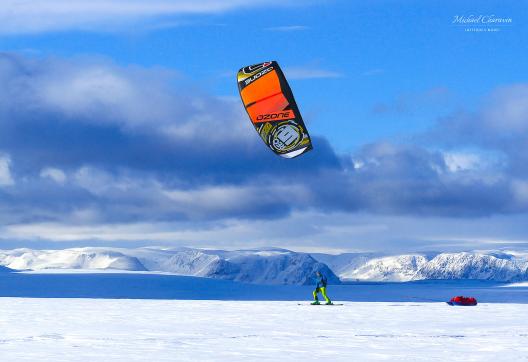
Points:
323	292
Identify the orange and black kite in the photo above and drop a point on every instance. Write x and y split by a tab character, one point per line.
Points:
270	105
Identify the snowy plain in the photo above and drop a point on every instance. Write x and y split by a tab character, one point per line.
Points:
49	329
115	315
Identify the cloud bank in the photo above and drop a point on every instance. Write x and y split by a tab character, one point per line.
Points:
89	143
37	16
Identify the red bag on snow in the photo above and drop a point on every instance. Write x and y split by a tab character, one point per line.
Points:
461	300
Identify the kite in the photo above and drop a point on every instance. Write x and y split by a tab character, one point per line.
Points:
271	107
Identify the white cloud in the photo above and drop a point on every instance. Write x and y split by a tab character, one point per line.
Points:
230	200
201	203
375	71
230	192
507	109
18	16
96	91
102	183
520	190
287	28
6	179
475	166
459	161
79	91
302	231
105	92
54	174
308	72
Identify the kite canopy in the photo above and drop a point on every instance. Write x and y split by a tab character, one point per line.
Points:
271	107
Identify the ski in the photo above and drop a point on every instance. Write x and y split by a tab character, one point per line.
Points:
323	304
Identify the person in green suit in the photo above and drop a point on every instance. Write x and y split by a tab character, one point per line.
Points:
320	286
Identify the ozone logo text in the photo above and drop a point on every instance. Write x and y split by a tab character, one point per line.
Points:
288	114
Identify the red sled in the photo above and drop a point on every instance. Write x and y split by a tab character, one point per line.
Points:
465	301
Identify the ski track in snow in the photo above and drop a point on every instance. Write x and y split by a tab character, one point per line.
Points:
34	329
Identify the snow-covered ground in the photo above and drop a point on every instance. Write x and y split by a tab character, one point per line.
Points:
513	285
171	330
128	305
138	316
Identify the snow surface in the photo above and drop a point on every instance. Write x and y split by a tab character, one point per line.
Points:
515	285
169	330
138	316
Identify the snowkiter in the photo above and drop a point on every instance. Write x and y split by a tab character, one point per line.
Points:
320	286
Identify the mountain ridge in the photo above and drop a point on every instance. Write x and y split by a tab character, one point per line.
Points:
259	266
500	266
279	266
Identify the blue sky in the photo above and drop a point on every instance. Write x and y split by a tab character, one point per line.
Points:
121	124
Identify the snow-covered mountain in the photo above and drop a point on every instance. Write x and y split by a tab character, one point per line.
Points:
343	263
263	266
494	266
480	265
278	266
4	269
80	258
396	268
